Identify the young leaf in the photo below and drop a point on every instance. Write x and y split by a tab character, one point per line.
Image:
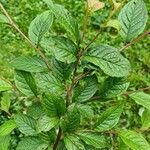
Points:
72	142
54	105
94	5
27	125
4	86
71	121
133	18
7	127
32	143
25	83
5	102
64	19
93	139
109	118
48	83
146	119
29	64
109	60
39	26
82	94
114	87
4	142
61	48
45	123
61	70
134	140
141	98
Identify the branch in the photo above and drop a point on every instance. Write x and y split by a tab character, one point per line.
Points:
96	98
13	24
57	139
92	41
135	40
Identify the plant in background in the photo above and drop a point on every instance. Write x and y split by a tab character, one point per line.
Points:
67	76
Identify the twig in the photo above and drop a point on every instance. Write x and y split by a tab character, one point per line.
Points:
13	24
57	139
135	40
139	90
93	40
96	98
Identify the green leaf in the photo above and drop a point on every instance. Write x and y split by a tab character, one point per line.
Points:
47	82
3	19
61	48
109	118
133	18
45	123
85	92
32	143
4	86
146	119
122	145
35	110
26	124
141	98
64	19
4	142
39	26
25	83
61	70
29	64
85	111
54	105
71	120
109	60
93	139
72	142
114	87
5	102
7	127
134	140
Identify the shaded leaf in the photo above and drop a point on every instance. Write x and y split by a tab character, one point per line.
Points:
85	92
71	120
54	105
114	87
